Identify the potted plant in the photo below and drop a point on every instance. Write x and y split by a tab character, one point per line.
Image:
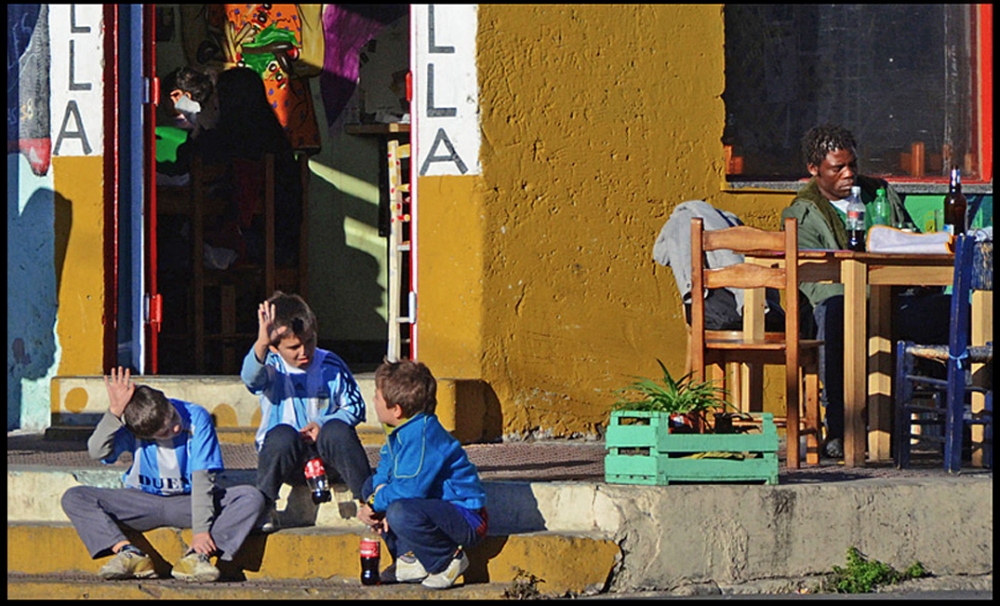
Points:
688	402
659	434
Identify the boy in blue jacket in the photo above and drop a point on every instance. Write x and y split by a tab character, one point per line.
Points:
425	498
309	402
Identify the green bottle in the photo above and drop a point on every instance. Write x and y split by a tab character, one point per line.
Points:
881	213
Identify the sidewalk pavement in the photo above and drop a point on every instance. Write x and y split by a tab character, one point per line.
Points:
552	515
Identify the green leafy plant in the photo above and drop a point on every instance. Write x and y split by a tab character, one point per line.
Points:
683	396
524	586
864	576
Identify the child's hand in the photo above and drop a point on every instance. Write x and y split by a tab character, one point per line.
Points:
120	390
310	433
266	333
202	543
265	324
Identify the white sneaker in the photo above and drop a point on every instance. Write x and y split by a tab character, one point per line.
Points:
128	564
447	577
195	567
406	569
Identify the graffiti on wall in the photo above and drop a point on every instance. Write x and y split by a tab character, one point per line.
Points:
28	84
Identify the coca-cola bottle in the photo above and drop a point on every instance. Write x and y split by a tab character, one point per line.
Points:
856	221
319	485
370	555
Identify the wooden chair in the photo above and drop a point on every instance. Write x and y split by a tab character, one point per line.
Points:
800	357
256	280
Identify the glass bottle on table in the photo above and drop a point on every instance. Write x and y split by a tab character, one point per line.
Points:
856	221
955	205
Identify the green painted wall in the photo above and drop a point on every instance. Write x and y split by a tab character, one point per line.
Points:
537	276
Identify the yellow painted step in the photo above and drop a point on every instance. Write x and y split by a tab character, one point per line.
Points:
565	563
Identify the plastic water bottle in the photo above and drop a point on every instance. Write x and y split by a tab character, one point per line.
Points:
881	214
370	555
319	485
856	221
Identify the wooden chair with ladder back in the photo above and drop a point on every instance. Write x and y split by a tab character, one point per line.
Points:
224	330
717	349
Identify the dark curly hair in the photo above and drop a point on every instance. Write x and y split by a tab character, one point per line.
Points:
186	79
825	138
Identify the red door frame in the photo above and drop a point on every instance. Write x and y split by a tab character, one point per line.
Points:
153	300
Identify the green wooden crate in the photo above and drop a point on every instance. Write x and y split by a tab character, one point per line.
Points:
643	451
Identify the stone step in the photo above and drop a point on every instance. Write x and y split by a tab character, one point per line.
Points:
566	563
88	587
368	434
79	402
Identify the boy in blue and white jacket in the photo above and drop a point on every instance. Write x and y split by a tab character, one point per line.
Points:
171	482
309	402
425	498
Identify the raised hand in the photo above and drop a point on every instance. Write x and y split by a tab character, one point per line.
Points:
266	332
120	389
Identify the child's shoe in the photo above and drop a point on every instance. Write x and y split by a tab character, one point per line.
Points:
447	577
406	569
195	567
271	523
129	563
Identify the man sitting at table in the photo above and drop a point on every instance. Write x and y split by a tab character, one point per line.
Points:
820	208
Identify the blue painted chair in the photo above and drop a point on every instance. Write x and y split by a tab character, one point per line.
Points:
941	408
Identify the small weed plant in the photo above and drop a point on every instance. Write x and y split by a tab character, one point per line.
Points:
523	587
864	576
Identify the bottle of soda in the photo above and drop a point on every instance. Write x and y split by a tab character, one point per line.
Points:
319	485
881	214
955	205
370	554
856	221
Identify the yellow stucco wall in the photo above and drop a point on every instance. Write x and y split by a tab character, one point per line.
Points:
537	276
79	182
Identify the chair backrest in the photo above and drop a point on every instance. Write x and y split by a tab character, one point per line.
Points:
745	239
961	290
254	191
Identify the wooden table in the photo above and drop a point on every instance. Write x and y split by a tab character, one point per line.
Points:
861	273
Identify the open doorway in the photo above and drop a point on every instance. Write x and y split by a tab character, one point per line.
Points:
359	104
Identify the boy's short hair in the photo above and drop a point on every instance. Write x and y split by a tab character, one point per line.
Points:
825	138
292	311
409	385
189	80
147	412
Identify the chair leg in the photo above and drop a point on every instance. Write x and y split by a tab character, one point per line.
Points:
904	394
954	417
988	431
792	416
811	398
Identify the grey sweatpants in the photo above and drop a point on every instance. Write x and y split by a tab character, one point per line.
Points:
96	513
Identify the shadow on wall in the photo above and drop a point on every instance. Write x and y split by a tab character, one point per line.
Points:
37	236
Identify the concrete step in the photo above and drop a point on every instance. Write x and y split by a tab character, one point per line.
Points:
368	434
567	563
86	586
79	401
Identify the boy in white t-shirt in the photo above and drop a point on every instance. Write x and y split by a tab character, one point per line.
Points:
171	482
